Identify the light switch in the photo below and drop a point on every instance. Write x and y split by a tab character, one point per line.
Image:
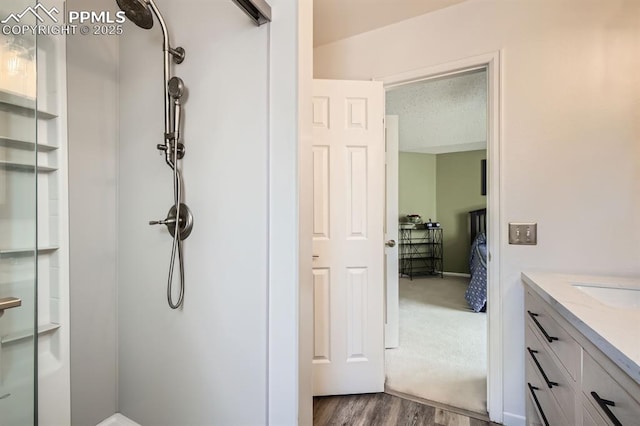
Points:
523	233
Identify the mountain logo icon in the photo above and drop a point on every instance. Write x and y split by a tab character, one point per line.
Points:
35	11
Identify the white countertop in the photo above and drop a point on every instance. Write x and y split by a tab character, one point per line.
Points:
615	331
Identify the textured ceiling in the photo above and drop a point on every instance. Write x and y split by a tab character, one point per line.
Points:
334	20
443	115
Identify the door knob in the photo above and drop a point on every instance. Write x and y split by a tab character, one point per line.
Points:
390	243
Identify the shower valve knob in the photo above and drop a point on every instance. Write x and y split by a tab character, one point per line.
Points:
166	221
184	221
162	147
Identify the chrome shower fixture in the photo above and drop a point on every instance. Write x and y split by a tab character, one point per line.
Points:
185	222
141	12
179	220
137	12
176	87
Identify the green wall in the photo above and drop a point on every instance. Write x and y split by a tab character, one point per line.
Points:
458	192
417	185
443	187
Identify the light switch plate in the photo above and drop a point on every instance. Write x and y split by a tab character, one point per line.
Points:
523	234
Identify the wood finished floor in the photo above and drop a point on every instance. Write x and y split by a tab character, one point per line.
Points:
381	409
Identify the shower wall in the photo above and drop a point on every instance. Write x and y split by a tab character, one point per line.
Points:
205	363
92	75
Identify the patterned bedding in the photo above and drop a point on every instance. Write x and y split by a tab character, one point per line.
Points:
476	293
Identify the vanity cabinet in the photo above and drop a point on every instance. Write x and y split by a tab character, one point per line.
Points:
569	381
601	387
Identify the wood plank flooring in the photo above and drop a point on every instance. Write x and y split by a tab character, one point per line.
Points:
381	409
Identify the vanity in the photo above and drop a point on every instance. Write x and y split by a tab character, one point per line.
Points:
582	349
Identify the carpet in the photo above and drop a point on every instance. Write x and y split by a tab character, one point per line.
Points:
443	346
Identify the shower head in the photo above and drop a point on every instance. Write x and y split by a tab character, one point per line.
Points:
176	87
138	12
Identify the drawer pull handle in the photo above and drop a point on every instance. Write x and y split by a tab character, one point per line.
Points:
533	390
546	335
604	405
544	375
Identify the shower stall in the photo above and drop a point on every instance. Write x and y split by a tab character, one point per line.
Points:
86	134
209	358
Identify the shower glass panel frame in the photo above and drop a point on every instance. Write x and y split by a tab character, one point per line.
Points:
19	172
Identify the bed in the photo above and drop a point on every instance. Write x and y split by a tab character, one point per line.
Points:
476	294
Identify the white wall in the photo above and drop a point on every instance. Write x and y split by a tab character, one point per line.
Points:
570	151
205	363
290	400
305	212
92	73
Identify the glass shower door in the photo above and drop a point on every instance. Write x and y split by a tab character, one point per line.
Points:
18	218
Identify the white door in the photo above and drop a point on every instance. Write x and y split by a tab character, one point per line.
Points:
348	237
392	308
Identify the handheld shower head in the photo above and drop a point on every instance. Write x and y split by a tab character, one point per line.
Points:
175	87
138	12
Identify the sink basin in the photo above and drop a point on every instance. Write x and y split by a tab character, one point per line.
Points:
616	297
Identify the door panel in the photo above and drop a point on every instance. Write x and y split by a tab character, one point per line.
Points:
348	237
322	315
321	192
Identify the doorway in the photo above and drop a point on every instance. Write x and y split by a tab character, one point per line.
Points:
490	62
441	355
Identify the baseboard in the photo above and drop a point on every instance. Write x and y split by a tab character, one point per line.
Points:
510	419
456	274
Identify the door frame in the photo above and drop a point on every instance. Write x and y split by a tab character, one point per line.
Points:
492	63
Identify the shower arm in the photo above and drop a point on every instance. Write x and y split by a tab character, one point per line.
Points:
165	49
178	56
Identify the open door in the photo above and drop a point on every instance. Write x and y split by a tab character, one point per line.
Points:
392	290
348	237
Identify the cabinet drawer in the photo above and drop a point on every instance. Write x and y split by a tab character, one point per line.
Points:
541	398
558	383
590	416
602	391
548	329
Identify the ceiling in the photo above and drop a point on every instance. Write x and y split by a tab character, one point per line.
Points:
443	115
334	20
